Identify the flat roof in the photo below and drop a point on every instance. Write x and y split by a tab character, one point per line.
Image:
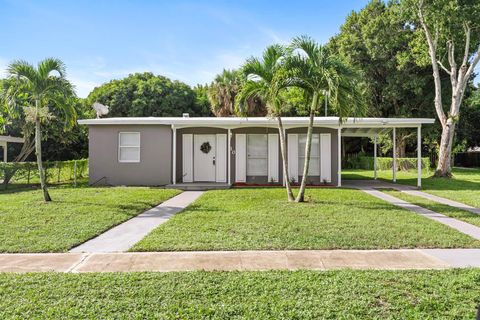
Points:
234	122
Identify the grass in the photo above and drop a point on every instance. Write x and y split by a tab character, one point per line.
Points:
248	219
449	211
27	224
463	187
448	294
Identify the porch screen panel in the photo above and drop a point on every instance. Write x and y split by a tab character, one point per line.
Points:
273	157
314	165
240	158
257	155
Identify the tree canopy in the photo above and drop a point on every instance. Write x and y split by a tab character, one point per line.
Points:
146	94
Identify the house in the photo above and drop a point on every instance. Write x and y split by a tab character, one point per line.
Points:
156	151
4	141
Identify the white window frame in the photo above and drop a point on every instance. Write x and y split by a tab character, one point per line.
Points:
120	147
301	156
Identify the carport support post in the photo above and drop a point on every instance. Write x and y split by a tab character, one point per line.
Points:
394	155
375	157
4	145
229	155
174	154
339	157
419	157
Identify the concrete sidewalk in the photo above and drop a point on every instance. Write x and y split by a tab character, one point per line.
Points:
400	259
125	235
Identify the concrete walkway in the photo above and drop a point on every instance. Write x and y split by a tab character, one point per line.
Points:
370	188
125	235
241	260
411	191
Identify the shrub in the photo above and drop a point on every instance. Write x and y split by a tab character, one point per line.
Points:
385	163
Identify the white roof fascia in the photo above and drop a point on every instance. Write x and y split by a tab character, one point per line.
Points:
289	122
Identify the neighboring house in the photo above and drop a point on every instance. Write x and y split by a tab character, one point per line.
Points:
160	151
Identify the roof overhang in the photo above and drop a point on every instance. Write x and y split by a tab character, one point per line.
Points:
11	139
288	122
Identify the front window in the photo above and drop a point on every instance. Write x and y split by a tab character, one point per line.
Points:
129	147
257	155
314	166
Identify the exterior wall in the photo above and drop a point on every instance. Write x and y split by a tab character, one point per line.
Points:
256	179
154	168
179	153
334	153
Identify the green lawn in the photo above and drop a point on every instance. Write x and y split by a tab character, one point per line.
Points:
463	187
27	224
464	215
247	219
448	294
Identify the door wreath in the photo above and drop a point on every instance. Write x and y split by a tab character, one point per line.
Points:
206	147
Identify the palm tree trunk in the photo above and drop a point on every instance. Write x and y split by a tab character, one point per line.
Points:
38	152
308	149
283	149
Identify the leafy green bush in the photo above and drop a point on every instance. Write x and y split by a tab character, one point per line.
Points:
55	171
386	163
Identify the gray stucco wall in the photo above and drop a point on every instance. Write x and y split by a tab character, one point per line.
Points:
154	168
334	153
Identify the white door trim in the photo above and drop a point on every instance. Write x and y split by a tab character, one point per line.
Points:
221	158
187	157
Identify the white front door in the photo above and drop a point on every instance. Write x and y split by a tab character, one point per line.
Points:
204	157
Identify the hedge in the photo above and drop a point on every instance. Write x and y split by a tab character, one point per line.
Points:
55	171
467	159
386	163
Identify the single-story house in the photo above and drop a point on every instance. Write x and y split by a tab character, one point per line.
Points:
157	151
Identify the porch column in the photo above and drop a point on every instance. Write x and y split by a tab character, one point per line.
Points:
375	158
394	155
174	155
339	156
419	157
229	155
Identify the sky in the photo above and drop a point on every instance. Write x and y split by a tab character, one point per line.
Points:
190	41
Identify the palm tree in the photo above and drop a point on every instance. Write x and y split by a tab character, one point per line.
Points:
41	88
319	72
222	92
266	77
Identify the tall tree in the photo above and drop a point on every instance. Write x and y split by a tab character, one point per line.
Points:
376	41
450	28
223	90
266	78
146	95
319	72
41	88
